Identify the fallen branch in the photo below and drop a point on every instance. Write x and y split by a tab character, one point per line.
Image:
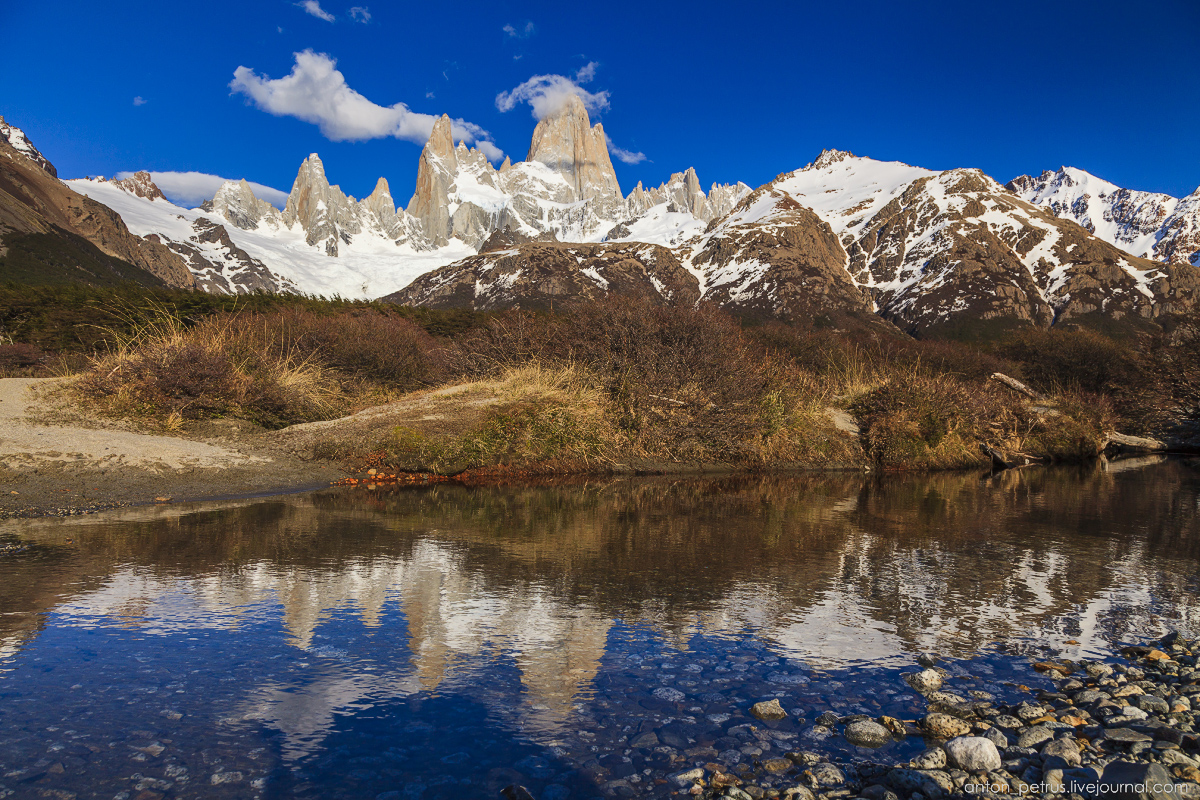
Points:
1138	443
1016	385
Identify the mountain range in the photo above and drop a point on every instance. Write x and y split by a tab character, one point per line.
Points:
931	251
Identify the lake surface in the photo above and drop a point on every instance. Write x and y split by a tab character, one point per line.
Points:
446	642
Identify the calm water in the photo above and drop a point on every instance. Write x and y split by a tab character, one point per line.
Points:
445	642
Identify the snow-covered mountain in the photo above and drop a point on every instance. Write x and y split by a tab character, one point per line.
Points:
847	234
1145	224
325	242
927	250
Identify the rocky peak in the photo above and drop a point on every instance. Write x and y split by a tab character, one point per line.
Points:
323	211
722	197
684	194
828	158
140	184
436	170
16	138
569	144
380	202
236	202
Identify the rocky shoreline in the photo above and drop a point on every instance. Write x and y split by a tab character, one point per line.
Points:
1122	728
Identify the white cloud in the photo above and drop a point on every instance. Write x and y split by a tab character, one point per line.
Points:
316	92
190	189
520	32
360	14
587	72
139	101
627	156
547	94
313	7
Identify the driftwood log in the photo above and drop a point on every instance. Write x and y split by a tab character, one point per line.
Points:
1002	461
1137	444
1016	385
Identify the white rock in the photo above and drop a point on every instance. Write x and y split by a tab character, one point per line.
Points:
973	754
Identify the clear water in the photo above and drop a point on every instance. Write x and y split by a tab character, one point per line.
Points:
448	641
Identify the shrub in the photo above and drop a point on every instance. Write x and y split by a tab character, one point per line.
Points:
683	383
20	359
1073	360
935	422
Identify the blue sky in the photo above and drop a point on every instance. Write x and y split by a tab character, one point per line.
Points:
740	91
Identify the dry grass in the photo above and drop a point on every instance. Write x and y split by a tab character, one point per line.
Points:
617	383
275	368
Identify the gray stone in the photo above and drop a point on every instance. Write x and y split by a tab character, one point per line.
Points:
1088	696
685	778
826	774
923	682
645	740
1031	711
668	694
933	758
1175	757
996	737
866	733
1151	704
1035	736
1125	780
1126	735
973	754
1071	781
1065	749
931	783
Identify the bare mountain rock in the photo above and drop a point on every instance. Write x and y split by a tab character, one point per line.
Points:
771	257
541	275
235	201
33	201
18	141
567	143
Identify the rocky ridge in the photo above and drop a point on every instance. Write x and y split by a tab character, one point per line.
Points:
33	202
543	274
1146	224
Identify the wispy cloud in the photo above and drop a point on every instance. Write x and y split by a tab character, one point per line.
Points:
547	94
139	101
317	92
360	14
621	154
313	7
521	31
587	72
190	189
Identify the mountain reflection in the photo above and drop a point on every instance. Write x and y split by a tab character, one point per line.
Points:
837	571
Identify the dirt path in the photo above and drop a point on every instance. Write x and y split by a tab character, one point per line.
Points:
65	469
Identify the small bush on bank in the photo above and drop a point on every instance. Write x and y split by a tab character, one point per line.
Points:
275	368
919	421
